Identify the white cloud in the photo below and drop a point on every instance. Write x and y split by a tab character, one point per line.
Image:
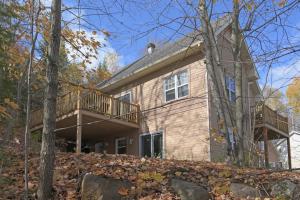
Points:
46	3
71	17
281	76
105	48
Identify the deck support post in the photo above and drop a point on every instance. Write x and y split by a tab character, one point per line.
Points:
266	147
289	152
79	132
79	123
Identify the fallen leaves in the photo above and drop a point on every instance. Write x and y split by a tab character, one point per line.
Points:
123	191
150	178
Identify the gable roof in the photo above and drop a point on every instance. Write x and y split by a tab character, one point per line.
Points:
164	52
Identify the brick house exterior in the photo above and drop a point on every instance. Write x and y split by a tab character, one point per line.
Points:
160	105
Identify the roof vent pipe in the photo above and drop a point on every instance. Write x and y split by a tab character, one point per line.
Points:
150	48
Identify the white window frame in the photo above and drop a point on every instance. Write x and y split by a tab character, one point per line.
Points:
152	144
125	93
231	138
117	146
176	86
230	90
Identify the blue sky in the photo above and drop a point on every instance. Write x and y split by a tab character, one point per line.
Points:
135	23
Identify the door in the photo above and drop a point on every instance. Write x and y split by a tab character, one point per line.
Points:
151	145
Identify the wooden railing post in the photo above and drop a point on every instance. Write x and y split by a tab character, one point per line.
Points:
263	112
277	120
138	112
78	99
111	108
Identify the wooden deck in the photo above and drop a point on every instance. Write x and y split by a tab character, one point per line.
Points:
92	101
266	117
270	125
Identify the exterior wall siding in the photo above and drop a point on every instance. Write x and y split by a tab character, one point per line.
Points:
184	122
218	147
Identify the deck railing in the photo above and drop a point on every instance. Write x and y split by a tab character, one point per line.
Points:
92	101
265	115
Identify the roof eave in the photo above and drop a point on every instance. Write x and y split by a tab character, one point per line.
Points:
185	52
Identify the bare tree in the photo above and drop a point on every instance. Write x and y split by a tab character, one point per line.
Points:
47	155
34	35
214	70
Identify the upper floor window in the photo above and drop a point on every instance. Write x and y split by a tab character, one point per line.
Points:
176	86
230	88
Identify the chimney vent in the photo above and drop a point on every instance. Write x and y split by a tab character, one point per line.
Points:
150	48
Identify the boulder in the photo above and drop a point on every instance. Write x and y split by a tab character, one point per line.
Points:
296	192
100	188
189	191
241	190
285	189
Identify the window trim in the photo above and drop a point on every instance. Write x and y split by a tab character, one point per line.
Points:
117	146
231	138
125	93
152	134
176	86
230	90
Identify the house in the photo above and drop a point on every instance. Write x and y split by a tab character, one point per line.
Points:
295	139
160	105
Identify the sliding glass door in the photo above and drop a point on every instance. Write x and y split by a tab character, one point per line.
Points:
152	145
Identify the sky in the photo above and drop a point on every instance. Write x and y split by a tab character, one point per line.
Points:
134	23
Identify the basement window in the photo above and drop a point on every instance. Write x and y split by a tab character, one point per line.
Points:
176	86
121	145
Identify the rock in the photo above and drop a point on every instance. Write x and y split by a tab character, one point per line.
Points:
296	193
284	189
241	190
189	191
100	188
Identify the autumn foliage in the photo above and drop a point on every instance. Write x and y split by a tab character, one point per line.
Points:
293	94
150	177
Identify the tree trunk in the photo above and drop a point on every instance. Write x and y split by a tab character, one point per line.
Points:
47	156
214	70
236	47
27	125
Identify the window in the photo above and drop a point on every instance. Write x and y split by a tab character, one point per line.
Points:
230	88
176	86
126	97
121	145
231	138
122	108
151	145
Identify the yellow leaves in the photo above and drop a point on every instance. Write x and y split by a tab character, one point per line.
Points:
282	3
250	5
221	188
123	191
178	173
236	1
151	176
225	174
219	138
293	94
106	33
4	113
11	104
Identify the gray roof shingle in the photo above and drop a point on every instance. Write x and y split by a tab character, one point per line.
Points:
162	52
